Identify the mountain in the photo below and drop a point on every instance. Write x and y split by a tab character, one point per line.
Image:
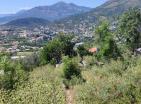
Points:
54	12
27	22
3	15
115	7
109	10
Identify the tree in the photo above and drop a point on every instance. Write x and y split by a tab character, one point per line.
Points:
67	45
129	29
103	32
52	51
82	51
107	44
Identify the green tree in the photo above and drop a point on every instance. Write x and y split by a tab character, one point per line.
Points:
129	29
103	32
67	45
52	51
82	51
107	44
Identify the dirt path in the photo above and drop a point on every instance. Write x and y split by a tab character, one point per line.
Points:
69	96
69	93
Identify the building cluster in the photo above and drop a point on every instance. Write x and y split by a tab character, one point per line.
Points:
15	39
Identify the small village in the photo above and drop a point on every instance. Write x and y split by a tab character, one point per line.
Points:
13	40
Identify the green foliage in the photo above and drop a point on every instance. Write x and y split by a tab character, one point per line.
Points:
103	32
117	82
71	73
67	45
56	47
43	87
108	46
129	29
82	51
13	73
52	51
30	62
70	69
111	84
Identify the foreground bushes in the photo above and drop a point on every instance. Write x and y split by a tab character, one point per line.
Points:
30	62
71	72
71	69
111	85
43	87
12	73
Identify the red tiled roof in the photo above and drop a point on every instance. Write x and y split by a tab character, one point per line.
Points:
93	50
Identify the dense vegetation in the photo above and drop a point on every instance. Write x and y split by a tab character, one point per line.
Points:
116	81
43	87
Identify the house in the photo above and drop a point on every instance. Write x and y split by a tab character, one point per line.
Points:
93	50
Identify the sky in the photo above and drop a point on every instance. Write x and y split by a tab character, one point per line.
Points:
13	6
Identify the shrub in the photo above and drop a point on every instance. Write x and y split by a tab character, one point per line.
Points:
43	87
71	69
111	84
30	62
13	73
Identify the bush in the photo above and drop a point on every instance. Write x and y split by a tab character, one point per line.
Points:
111	84
74	81
13	73
30	62
82	51
43	87
71	69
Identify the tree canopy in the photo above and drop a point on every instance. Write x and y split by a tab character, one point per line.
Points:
129	29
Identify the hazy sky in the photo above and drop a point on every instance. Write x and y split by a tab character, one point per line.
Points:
12	6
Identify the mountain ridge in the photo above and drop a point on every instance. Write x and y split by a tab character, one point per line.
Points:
108	10
53	12
27	22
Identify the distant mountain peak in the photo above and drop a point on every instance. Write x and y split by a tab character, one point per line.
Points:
60	3
109	10
64	4
53	12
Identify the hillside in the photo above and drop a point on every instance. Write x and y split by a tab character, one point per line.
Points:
103	85
54	12
110	10
43	87
104	69
27	22
115	7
